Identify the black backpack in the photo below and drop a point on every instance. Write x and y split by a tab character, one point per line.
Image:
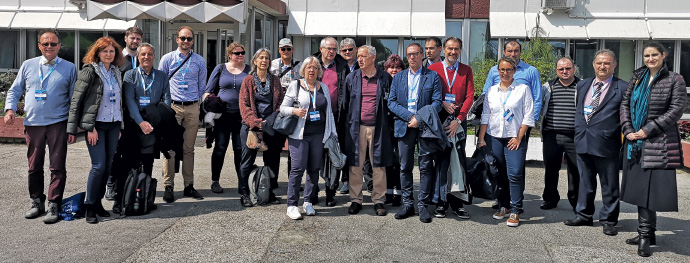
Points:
260	184
139	193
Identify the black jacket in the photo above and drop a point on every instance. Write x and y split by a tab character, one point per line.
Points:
432	136
600	137
168	133
86	99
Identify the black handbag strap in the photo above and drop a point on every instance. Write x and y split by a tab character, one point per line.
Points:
286	70
178	68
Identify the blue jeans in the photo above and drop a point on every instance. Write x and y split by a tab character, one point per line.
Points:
307	154
101	159
427	173
512	164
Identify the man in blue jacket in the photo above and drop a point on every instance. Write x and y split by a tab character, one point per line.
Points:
412	89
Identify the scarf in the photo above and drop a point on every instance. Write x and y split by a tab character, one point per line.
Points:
638	112
262	89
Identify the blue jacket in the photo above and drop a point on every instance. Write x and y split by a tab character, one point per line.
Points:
429	94
602	135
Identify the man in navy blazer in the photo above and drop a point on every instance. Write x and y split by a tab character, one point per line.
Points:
411	90
598	142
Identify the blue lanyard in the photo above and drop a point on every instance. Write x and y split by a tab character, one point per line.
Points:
108	77
134	64
415	84
179	62
445	71
143	81
503	102
313	96
41	78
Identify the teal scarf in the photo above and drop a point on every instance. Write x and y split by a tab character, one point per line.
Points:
638	111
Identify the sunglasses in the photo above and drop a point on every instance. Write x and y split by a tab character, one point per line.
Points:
285	49
188	39
562	69
241	53
347	50
51	44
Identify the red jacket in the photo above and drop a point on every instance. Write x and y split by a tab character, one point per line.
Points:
463	87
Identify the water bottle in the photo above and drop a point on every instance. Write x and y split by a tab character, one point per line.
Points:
136	201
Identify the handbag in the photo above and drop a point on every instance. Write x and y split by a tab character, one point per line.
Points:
286	125
254	142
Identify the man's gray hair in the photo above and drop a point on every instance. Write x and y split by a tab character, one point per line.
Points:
323	42
348	42
146	45
372	49
607	52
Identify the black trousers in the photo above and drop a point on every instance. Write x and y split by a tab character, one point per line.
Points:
607	169
271	159
556	145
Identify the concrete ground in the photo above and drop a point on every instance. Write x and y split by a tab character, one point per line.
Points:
218	229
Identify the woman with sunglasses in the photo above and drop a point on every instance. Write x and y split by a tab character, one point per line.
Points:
96	108
225	82
260	96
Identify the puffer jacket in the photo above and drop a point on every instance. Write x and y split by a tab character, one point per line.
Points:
86	99
661	148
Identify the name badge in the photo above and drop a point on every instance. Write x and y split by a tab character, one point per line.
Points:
450	98
314	116
144	101
112	97
412	105
508	116
182	85
588	110
41	95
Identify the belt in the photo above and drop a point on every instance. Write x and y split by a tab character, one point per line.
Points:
184	103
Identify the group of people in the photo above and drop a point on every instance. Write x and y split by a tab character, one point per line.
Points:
381	118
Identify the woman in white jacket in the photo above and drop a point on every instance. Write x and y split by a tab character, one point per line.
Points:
314	127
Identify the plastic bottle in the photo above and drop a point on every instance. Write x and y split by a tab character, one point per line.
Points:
136	201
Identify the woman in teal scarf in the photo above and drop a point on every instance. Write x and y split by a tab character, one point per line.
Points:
650	110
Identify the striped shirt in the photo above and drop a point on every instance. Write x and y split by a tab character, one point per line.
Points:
189	82
561	112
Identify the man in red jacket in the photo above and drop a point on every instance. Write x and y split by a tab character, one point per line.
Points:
458	96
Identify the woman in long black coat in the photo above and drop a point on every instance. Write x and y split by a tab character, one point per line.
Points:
650	110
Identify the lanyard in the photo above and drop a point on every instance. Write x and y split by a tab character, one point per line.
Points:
41	78
143	81
445	71
313	96
503	102
134	63
108	77
179	62
413	87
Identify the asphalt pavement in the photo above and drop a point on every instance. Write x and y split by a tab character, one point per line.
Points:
218	229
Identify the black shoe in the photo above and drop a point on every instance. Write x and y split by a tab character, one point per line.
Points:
636	240
405	212
216	188
440	211
610	230
168	195
91	215
100	211
245	201
109	193
424	215
643	249
273	199
330	201
495	205
189	191
354	208
548	205
380	210
117	209
461	213
397	200
578	221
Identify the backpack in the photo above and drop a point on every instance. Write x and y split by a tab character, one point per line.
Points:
139	193
73	207
260	184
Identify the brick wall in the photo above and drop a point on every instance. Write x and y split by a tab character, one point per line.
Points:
457	9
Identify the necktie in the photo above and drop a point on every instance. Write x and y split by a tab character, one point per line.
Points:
595	99
46	62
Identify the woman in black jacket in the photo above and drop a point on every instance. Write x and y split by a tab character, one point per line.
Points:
96	108
650	110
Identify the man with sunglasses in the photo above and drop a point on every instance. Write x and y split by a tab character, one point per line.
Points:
47	83
186	72
285	67
558	133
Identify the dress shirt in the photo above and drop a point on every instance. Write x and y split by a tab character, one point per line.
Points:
59	86
518	100
590	91
109	111
413	82
193	72
524	74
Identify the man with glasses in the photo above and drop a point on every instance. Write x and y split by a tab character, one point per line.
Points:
558	133
432	48
186	72
411	90
47	83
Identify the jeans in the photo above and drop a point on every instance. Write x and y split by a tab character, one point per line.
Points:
407	144
227	127
101	159
307	155
511	163
271	159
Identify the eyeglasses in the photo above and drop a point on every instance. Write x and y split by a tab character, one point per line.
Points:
188	39
240	53
506	70
51	44
414	54
285	49
312	68
562	69
347	50
330	48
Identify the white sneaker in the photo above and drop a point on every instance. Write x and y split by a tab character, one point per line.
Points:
293	213
309	209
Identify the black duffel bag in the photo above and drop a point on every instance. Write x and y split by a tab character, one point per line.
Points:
482	173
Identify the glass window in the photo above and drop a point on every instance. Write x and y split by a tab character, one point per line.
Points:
670	47
85	41
360	41
315	43
9	48
152	36
481	42
269	34
258	31
67	49
558	47
407	41
119	37
32	50
454	28
582	52
282	29
625	53
685	63
384	47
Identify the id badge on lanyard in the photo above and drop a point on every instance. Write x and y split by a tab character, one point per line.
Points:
41	95
588	109
508	115
314	115
144	101
450	98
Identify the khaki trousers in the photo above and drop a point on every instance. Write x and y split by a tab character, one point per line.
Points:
366	143
188	117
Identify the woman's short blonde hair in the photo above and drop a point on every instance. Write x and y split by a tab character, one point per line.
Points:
309	61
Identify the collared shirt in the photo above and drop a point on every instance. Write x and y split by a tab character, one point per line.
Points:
134	90
109	110
352	68
524	74
58	86
369	89
590	91
193	73
413	82
277	67
518	100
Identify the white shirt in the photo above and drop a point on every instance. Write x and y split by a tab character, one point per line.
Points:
518	99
